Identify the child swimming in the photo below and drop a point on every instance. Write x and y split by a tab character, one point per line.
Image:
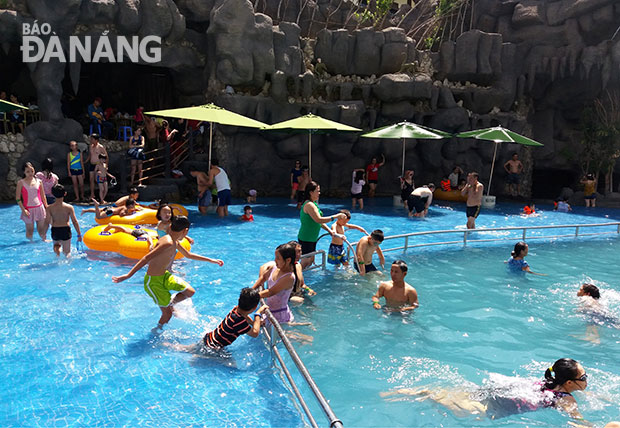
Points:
158	281
517	263
247	214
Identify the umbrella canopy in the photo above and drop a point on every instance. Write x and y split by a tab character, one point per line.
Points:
405	130
6	106
212	114
312	124
498	135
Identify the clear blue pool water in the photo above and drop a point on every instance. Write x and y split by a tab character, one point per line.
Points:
77	349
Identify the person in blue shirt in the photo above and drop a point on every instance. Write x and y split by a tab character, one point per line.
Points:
517	262
96	116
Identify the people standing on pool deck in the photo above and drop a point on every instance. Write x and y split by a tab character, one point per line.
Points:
406	186
561	380
514	168
295	174
455	177
101	170
204	194
589	190
357	185
136	154
58	214
474	191
95	150
337	254
218	176
372	174
75	170
303	180
517	263
30	197
280	278
420	199
312	220
365	249
397	293
158	281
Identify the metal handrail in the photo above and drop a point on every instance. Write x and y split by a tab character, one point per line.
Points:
314	265
334	422
524	236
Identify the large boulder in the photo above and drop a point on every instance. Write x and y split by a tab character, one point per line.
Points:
62	15
367	53
287	52
243	43
394	51
196	10
157	19
98	11
128	20
335	48
399	87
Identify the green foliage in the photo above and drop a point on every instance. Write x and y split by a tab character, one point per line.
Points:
600	142
375	16
4	4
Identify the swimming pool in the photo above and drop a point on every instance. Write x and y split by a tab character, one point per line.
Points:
77	349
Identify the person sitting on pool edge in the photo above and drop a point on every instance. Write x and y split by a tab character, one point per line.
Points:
561	380
397	293
158	281
365	249
517	263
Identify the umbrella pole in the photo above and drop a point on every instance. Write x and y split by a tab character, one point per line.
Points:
310	154
492	167
210	141
402	172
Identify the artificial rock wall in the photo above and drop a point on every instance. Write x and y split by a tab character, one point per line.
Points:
528	65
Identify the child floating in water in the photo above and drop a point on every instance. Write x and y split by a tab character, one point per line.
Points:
251	199
158	281
128	209
59	213
517	263
366	247
136	233
397	293
247	214
529	209
337	255
562	206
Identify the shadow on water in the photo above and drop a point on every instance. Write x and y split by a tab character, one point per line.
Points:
144	346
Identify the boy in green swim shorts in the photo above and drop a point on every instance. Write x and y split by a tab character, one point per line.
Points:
158	282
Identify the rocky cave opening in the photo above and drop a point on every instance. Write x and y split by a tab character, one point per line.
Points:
123	86
15	75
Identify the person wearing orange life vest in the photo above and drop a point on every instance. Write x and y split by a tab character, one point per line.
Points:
529	209
445	184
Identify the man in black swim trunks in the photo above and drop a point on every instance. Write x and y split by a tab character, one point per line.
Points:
474	190
420	199
58	214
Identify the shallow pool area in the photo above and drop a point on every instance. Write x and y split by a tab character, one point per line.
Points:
78	349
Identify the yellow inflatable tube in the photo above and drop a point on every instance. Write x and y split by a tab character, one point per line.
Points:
124	243
144	216
453	195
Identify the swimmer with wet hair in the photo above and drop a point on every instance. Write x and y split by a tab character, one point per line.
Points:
336	254
128	209
136	232
158	281
563	378
516	263
366	247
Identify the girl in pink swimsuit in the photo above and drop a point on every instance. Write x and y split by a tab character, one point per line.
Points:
30	197
280	281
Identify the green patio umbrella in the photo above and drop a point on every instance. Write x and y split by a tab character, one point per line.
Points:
498	135
405	130
6	106
212	114
312	124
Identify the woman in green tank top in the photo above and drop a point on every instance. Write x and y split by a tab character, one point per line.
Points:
312	220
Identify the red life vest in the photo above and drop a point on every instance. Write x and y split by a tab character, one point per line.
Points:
445	185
